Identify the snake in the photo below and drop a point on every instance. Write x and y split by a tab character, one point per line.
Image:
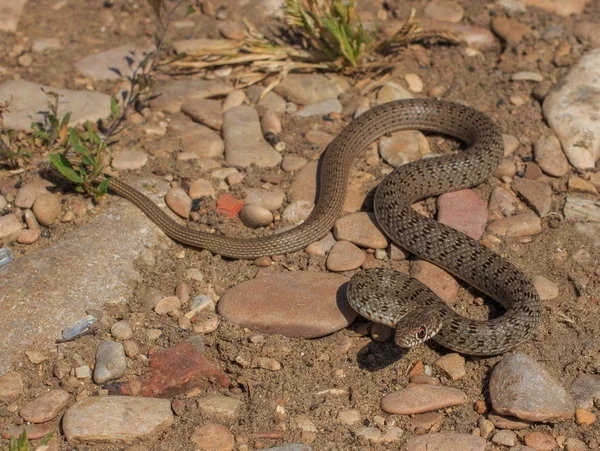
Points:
386	296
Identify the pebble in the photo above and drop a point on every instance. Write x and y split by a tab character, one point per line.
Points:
532	171
527	76
506	438
360	228
502	203
212	437
244	142
111	362
415	84
585	389
561	8
99	418
573	117
234	98
574	444
453	365
403	147
518	226
47	208
232	30
221	407
578	184
374	435
254	216
45	407
540	441
392	91
349	417
34	431
444	10
10	228
511	143
305	89
445	441
207	112
588	31
272	102
201	188
318	137
35	357
577	209
30	220
297	211
197	139
321	108
486	427
507	422
463	210
112	64
293	163
521	387
344	256
511	30
426	422
129	160
271	199
506	170
179	202
284	304
270	123
438	280
174	93
122	330
322	246
546	288
549	156
512	5
167	305
229	206
28	193
584	417
420	398
538	195
28	236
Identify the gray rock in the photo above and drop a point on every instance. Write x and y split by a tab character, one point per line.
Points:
445	441
320	108
111	362
29	104
578	209
305	89
102	418
521	387
403	147
114	63
420	398
41	45
10	10
570	109
129	159
271	199
174	93
538	195
10	229
223	407
586	389
244	142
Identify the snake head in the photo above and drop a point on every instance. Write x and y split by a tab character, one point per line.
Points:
417	327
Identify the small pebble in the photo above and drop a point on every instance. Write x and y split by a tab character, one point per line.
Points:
46	208
122	330
167	305
505	437
344	256
254	216
179	202
540	441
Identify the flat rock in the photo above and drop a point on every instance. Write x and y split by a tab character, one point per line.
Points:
586	389
445	441
297	304
111	362
550	157
361	229
579	209
205	111
558	7
34	431
96	258
116	418
224	407
463	210
321	108
114	63
570	109
29	104
438	280
304	186
524	224
244	141
213	436
305	89
10	228
521	387
403	147
11	385
10	10
545	288
421	398
344	256
173	93
445	10
503	203
129	159
45	407
538	195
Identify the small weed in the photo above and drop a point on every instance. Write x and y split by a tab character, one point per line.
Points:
53	132
22	443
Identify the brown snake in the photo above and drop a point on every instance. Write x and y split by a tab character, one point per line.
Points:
379	294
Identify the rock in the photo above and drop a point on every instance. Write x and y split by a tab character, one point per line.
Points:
588	31
349	417
222	407
293	163
502	203
11	385
438	280
538	195
521	387
527	76
540	441
506	170
304	186
34	431
167	305
179	202
578	209
204	111
100	418
578	184
234	98
30	104
321	108
114	63
270	123
463	210
521	225
478	38
229	206
344	256
29	236
574	444
174	93
254	216
196	138
549	156
47	208
511	143
297	211
213	437
453	365
557	7
508	422
244	142
10	228
322	246
46	407
512	5
584	417
445	10
361	229
122	330
284	304
569	110
585	389
10	11
28	193
446	441
41	45
305	89
201	188
508	29
272	102
111	362
271	199
422	398
232	30
129	159
545	288
403	147
506	438
532	171
392	91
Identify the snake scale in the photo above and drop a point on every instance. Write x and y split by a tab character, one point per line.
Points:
390	297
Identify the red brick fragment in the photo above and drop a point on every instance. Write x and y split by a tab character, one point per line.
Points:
229	206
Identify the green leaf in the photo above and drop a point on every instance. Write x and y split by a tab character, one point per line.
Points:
65	168
76	142
65	120
92	135
102	187
190	10
115	111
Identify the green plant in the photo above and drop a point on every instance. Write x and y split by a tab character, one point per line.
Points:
22	444
53	132
332	27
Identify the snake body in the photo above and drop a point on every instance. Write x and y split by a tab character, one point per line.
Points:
374	293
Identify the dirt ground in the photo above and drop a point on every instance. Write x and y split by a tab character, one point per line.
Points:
567	343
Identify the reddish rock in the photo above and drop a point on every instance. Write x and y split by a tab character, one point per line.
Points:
34	431
229	206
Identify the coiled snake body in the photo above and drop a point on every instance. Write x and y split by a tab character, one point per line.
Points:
380	294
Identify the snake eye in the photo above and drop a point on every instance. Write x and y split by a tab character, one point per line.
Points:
421	332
